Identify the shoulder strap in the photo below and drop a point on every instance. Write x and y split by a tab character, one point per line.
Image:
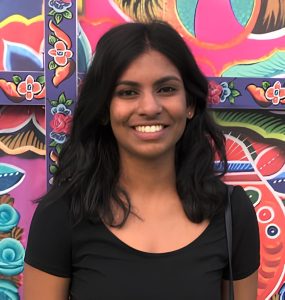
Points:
228	221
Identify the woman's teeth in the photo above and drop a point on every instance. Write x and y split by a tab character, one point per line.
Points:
152	128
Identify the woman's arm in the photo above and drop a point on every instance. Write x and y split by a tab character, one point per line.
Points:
41	285
244	289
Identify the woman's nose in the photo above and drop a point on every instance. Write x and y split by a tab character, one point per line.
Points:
149	104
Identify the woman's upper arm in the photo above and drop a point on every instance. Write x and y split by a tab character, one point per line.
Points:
44	286
244	289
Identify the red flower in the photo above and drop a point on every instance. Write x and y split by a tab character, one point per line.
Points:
61	123
29	87
60	53
275	93
215	91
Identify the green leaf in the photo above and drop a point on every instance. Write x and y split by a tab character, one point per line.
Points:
62	98
67	14
53	169
17	79
265	85
58	148
58	18
235	93
52	65
53	144
53	103
52	13
231	85
68	102
52	39
41	79
232	99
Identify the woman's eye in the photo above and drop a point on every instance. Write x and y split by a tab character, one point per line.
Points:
126	93
167	90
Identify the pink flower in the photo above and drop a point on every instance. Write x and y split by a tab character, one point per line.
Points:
61	123
215	91
275	93
60	53
29	87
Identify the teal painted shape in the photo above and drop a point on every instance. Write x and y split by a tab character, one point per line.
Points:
272	67
242	10
186	11
8	291
5	168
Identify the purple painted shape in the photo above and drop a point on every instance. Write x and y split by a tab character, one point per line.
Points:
8	88
245	93
68	87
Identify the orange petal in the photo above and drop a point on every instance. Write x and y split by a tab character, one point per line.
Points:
36	87
22	88
59	45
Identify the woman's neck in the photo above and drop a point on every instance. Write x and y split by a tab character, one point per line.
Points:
148	178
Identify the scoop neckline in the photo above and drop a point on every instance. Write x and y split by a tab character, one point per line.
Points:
139	252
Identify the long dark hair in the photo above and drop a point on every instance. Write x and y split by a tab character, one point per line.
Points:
89	162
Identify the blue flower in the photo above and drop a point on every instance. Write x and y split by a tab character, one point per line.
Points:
60	138
60	109
8	291
9	218
12	255
226	91
59	6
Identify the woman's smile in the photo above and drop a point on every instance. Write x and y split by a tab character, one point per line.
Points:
149	128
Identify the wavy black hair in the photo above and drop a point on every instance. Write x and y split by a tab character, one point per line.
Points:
89	162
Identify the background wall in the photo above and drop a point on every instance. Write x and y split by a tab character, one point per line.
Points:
239	45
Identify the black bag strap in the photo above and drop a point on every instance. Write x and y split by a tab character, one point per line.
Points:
228	221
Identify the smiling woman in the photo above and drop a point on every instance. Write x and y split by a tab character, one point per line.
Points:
137	209
148	111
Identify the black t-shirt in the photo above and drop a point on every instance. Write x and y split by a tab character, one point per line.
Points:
103	267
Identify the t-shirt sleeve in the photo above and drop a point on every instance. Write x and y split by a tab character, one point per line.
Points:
245	247
49	242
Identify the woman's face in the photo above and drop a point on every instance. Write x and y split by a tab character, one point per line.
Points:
148	109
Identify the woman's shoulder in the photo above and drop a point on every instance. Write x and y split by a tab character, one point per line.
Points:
240	201
243	213
52	209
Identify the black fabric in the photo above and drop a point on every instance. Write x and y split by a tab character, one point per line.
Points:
103	267
229	237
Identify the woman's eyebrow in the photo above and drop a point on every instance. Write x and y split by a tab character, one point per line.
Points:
157	82
128	82
166	79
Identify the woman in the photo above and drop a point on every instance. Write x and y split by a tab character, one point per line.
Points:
137	210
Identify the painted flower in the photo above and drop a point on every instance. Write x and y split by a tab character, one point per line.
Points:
61	109
59	5
9	218
225	92
60	138
60	53
29	87
215	91
8	291
61	123
275	93
11	257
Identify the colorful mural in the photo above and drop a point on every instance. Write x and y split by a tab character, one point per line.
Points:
239	45
22	134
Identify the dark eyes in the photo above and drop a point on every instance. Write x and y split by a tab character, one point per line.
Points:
167	90
129	93
126	93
